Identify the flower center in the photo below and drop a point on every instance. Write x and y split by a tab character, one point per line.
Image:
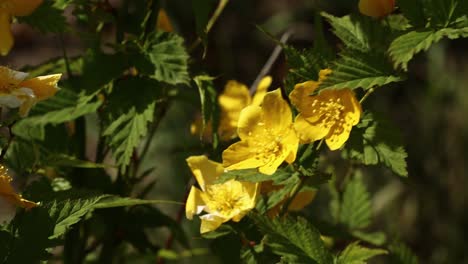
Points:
331	112
227	198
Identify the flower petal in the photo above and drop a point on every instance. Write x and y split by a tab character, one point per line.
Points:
262	89
164	22
194	203
338	136
7	191
210	222
276	111
251	122
24	7
235	97
291	144
6	37
240	156
300	96
308	132
204	170
43	86
352	106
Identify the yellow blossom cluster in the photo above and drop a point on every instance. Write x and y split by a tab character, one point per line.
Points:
268	137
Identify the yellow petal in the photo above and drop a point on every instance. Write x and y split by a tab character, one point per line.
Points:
301	200
338	136
275	161
7	191
251	122
301	97
241	155
23	7
376	8
6	37
353	107
194	203
43	86
307	132
276	111
291	144
210	222
262	89
323	74
235	97
163	22
204	170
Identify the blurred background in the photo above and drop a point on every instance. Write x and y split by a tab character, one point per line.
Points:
428	210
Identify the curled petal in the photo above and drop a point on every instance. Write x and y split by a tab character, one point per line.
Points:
204	170
210	222
194	204
43	86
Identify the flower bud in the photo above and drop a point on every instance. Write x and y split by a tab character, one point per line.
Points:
376	8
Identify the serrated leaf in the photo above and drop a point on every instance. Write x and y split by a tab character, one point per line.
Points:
356	208
375	141
349	32
401	254
128	113
403	48
356	254
170	60
116	201
360	70
375	238
295	240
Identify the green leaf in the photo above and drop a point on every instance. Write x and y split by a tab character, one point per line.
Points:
401	254
62	160
116	201
46	18
303	65
403	48
128	113
63	107
356	208
209	104
356	254
252	175
375	238
349	32
360	70
295	240
170	60
374	140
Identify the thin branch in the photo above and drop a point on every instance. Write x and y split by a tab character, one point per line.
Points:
271	60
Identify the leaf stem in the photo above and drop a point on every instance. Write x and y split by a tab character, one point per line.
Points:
219	9
369	92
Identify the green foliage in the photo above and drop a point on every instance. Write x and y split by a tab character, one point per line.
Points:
295	240
356	207
401	254
168	57
375	141
360	70
209	104
129	115
47	18
356	254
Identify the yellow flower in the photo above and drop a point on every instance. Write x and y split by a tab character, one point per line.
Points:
223	201
329	115
18	91
9	8
376	8
7	191
235	97
267	136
